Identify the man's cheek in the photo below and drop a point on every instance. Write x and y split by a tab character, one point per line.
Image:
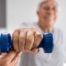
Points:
55	18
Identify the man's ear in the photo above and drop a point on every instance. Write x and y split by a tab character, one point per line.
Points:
37	12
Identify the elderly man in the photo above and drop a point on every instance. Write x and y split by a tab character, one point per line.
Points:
28	37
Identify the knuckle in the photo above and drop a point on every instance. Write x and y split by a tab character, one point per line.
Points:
24	30
15	39
32	29
22	35
15	33
39	35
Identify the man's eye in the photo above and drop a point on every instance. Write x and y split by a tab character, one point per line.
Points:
46	8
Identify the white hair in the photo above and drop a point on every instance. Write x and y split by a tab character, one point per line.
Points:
40	1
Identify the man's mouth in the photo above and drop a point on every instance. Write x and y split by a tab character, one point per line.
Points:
49	17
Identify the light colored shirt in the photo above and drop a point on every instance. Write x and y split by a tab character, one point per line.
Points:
56	58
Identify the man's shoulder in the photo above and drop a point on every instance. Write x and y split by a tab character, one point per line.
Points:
60	31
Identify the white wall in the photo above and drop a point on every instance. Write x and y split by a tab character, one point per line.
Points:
18	11
25	11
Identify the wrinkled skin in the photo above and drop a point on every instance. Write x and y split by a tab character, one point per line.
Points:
10	59
27	39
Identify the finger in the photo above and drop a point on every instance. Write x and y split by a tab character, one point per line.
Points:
35	50
10	55
22	39
37	39
29	40
15	37
16	58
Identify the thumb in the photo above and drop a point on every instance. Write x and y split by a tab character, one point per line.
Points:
35	50
15	59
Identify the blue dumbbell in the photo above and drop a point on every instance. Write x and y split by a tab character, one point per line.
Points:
6	43
47	43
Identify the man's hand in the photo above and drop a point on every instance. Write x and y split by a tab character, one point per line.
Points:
10	59
27	39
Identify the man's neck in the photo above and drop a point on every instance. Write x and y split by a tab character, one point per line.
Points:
45	28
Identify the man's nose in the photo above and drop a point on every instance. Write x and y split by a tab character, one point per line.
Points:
50	12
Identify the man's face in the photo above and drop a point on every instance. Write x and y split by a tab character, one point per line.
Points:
47	12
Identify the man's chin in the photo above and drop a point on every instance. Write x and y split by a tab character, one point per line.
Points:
49	25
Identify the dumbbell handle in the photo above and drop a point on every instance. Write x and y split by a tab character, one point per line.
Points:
6	43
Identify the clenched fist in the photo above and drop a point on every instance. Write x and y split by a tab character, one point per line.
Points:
27	39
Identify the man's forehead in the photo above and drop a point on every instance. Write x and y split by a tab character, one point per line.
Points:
49	2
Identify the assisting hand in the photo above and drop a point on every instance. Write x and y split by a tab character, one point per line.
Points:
10	59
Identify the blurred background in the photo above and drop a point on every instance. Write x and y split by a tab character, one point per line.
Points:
14	12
